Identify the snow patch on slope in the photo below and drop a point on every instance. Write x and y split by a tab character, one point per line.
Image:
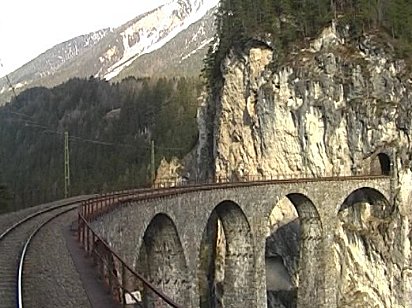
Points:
149	33
202	44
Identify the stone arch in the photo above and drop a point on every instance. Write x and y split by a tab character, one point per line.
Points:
380	164
162	260
304	234
226	259
380	206
362	247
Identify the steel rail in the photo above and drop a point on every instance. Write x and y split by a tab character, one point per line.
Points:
25	248
13	271
31	216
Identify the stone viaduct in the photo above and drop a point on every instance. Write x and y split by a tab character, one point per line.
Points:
168	239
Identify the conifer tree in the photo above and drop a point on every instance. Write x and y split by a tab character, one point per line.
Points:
288	21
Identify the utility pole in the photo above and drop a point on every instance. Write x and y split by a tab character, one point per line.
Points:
152	162
66	165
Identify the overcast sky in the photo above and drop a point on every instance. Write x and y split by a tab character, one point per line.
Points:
30	27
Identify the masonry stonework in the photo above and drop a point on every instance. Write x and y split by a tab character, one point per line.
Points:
170	230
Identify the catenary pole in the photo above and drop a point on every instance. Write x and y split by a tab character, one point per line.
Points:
152	162
66	165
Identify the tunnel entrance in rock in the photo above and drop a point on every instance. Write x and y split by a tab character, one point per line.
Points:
380	165
293	245
162	262
362	241
226	259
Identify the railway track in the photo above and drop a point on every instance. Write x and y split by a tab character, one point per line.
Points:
15	239
14	242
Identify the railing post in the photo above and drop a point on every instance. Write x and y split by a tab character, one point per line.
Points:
111	274
78	225
92	247
91	211
100	266
123	293
84	235
88	241
87	210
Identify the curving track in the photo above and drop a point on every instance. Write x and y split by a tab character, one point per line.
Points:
16	236
15	240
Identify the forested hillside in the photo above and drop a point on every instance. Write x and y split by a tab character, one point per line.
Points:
110	127
285	24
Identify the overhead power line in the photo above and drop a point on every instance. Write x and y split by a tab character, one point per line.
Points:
46	129
72	137
8	81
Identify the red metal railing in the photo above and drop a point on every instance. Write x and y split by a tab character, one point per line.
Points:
105	203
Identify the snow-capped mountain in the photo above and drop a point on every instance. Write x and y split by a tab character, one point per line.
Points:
150	32
52	60
182	55
110	52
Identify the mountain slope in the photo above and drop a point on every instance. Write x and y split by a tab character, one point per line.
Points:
112	51
51	61
151	32
181	56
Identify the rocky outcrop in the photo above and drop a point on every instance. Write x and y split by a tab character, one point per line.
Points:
368	261
175	171
326	111
169	172
334	108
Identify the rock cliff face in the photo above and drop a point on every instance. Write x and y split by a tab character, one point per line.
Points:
336	107
325	111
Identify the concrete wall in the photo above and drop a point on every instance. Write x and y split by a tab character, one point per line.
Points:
173	258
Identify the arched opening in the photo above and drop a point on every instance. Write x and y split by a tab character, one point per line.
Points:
363	250
293	250
367	200
380	165
162	261
226	259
